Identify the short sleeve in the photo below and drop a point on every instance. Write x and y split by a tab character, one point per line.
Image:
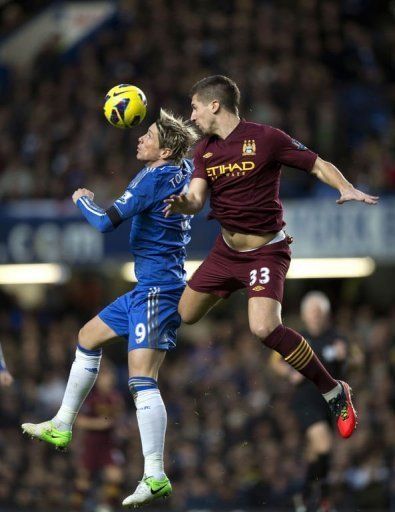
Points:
289	151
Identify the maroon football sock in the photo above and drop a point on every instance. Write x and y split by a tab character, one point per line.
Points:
298	353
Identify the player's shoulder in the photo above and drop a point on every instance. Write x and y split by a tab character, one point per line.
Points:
173	175
185	166
201	146
259	129
145	175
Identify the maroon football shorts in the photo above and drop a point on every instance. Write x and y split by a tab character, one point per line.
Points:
262	271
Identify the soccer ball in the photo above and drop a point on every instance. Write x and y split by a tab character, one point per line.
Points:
125	106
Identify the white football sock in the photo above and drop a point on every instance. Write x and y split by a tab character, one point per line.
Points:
152	421
333	392
83	375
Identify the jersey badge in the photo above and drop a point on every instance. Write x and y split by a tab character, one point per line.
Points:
207	155
299	145
249	148
258	288
125	197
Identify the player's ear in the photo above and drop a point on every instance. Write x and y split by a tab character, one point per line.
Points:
214	105
166	153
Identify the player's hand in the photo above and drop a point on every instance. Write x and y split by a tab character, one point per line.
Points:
353	194
175	204
340	349
81	192
6	378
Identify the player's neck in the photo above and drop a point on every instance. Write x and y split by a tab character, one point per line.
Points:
156	163
226	123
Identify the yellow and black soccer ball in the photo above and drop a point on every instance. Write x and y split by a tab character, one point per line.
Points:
125	106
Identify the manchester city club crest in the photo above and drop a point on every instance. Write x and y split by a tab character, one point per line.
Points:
249	148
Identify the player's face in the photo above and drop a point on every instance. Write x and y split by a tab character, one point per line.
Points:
202	115
148	146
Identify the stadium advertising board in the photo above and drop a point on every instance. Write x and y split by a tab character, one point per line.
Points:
54	232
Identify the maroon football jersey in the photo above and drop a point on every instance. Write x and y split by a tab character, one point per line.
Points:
243	174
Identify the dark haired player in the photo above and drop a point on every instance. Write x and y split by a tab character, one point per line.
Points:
239	163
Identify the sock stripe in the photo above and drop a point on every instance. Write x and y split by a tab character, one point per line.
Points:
301	346
89	352
301	356
305	361
142	379
137	384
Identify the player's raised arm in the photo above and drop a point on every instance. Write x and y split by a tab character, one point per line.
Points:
96	216
191	202
329	174
129	204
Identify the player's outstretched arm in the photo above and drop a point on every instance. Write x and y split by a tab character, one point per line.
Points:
189	203
329	174
96	216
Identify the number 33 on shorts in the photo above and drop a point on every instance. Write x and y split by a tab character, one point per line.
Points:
261	276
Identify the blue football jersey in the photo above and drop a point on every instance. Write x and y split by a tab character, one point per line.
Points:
156	242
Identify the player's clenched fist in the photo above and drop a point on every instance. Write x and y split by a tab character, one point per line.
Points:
80	192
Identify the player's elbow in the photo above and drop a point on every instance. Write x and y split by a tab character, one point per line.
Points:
320	166
105	226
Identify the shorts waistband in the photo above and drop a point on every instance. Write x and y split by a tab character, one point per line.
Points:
279	236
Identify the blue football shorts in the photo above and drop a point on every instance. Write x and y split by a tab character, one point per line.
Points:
147	316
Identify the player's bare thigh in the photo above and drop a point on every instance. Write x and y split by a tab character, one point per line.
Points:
145	362
264	315
194	305
95	333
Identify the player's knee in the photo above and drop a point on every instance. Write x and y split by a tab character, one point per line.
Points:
263	330
188	317
83	338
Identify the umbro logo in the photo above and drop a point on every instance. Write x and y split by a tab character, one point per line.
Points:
207	155
258	288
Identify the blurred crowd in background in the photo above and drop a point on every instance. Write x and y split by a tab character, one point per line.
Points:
321	70
233	441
